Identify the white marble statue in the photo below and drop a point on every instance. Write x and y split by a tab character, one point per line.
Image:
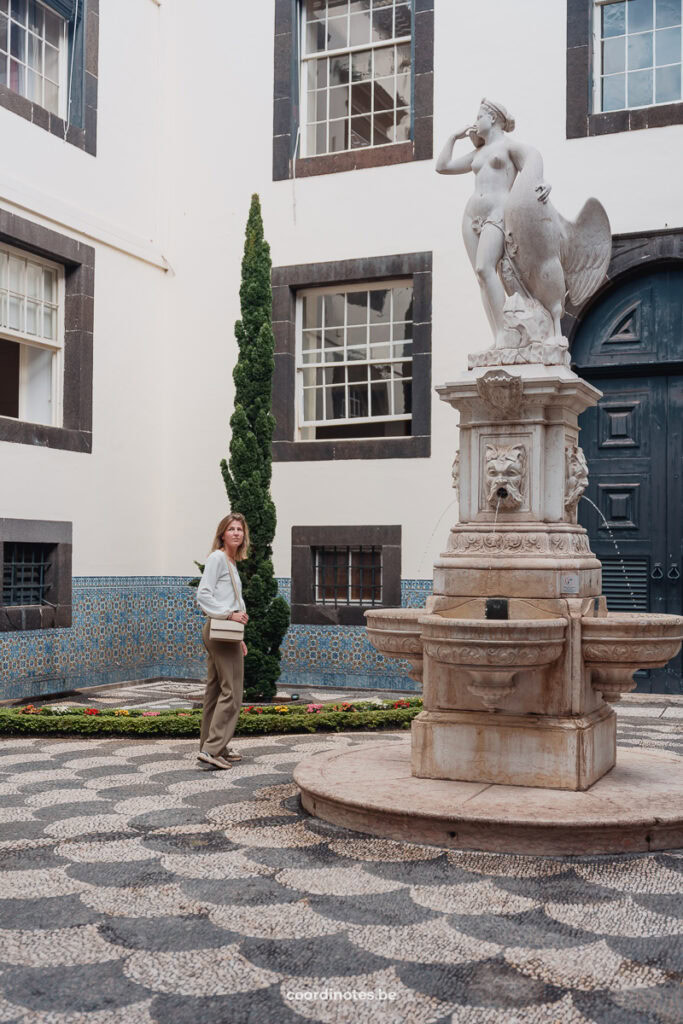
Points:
528	259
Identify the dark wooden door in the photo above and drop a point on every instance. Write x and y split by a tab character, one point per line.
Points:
627	348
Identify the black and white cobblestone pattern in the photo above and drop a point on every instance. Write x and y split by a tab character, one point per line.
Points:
136	887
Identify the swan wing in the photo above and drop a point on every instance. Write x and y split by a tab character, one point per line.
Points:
585	251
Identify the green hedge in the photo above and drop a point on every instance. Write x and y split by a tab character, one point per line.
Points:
252	722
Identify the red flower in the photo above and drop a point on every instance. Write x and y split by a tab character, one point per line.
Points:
91	711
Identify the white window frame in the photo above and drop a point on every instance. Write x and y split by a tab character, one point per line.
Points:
305	57
334	289
62	73
26	340
597	63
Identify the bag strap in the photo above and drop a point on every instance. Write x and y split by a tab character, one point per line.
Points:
234	583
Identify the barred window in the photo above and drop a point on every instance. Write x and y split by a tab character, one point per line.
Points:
638	53
25	573
348	575
355	361
355	74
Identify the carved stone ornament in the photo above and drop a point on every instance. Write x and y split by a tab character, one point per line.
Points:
576	476
455	473
518	656
505	472
395	644
502	392
569	544
527	336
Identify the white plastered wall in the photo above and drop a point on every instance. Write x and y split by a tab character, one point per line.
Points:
113	496
515	53
185	137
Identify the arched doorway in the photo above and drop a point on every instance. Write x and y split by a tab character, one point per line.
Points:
629	344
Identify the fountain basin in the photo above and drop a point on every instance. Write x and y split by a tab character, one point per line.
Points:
396	633
493	652
618	644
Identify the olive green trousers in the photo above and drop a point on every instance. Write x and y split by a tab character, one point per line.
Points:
223	694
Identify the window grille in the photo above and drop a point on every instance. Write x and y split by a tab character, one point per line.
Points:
25	573
638	53
355	360
348	576
355	74
33	52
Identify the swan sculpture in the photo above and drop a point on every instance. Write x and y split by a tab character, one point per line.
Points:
527	257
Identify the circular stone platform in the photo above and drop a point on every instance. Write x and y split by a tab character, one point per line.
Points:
638	806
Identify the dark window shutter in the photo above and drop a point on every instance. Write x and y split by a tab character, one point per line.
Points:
625	584
67	8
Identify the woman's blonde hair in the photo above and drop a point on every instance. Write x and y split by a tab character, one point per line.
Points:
243	550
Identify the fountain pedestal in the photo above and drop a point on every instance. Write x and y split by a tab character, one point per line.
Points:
519	657
509	701
520	700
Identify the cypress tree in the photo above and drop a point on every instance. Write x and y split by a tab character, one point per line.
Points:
247	473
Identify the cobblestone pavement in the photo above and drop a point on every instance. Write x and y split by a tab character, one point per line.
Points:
137	887
189	693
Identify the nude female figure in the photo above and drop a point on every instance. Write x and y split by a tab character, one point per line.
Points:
495	162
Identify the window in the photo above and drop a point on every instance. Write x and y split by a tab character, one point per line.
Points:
355	361
31	337
33	46
49	66
353	84
624	62
25	573
356	74
340	571
346	575
639	53
36	574
46	336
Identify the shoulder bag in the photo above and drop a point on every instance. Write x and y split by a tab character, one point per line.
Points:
227	629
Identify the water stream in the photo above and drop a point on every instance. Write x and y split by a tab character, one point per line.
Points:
431	536
493	534
616	548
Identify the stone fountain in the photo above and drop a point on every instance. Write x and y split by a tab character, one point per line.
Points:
520	659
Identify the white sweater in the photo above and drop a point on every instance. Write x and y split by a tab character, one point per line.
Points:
216	595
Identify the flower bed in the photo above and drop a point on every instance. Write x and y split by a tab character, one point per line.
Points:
254	720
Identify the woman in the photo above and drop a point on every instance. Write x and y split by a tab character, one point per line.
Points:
495	162
220	596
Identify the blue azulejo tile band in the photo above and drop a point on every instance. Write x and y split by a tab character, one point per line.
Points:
140	627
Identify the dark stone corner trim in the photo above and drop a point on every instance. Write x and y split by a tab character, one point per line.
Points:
17	618
81	131
286	102
78	260
581	122
303	609
286	282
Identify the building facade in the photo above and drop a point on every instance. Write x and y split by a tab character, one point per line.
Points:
135	136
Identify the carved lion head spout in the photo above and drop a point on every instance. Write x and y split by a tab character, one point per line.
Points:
576	476
505	469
